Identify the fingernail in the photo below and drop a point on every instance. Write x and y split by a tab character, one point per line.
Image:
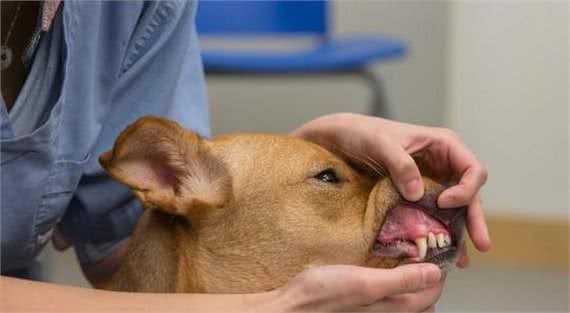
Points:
431	274
413	190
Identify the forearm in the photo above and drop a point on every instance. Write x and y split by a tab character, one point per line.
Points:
19	295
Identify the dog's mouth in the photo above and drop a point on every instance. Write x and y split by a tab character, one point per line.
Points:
421	232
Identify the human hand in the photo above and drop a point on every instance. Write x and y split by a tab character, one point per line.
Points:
392	144
407	288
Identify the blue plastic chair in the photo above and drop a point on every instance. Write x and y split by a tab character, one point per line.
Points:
235	18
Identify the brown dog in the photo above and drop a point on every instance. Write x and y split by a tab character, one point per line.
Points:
245	213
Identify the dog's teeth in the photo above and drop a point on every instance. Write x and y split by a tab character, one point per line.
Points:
447	240
432	243
421	243
440	240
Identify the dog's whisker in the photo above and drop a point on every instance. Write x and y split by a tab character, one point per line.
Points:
379	167
371	163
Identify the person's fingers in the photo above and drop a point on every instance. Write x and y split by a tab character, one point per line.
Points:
403	170
411	302
472	175
364	286
477	227
463	258
334	288
406	279
60	241
462	194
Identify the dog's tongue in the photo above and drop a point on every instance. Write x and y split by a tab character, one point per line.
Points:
408	222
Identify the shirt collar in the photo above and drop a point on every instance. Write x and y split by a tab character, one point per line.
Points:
49	10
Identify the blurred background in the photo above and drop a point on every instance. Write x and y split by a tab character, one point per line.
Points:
494	71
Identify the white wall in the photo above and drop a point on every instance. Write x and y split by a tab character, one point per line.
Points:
415	86
508	98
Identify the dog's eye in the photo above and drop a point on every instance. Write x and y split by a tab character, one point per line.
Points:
328	176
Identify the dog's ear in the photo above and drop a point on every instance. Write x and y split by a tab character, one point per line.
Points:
168	168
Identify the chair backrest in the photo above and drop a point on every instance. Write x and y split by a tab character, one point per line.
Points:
269	17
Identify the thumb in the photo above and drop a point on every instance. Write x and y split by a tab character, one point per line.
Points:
404	172
409	278
344	287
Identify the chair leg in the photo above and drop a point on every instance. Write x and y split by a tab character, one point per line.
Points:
378	103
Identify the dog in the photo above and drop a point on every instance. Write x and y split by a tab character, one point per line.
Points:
246	212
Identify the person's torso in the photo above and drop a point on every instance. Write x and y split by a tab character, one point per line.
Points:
67	103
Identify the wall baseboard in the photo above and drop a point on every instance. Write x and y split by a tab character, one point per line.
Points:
525	242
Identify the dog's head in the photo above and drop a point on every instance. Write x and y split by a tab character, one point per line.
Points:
251	211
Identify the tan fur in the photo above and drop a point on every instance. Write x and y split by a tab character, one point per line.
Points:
242	213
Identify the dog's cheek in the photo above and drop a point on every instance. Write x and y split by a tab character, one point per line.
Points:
381	263
383	197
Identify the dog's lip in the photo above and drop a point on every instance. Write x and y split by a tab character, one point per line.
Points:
430	207
440	222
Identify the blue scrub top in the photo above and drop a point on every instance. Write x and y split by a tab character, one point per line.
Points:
100	67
